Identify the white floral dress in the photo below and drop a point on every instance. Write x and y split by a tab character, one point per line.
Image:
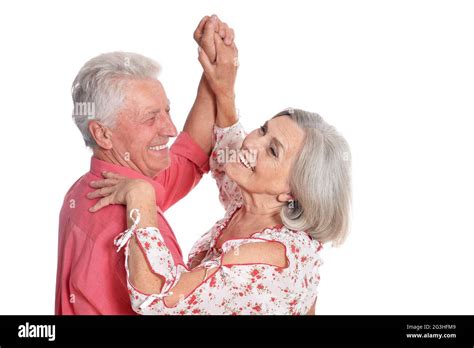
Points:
238	288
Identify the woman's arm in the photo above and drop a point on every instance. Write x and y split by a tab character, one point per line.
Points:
249	271
201	117
136	194
221	76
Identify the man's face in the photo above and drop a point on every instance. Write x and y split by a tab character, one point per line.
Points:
144	127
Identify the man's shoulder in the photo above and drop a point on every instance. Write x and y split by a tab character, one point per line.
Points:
75	212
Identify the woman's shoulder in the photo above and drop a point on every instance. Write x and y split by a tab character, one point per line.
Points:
302	251
295	240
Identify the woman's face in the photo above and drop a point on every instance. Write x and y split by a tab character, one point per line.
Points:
271	151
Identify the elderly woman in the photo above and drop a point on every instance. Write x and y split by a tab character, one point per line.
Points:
286	191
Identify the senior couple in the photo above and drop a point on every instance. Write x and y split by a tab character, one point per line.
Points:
286	193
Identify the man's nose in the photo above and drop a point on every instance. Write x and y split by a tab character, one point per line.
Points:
168	128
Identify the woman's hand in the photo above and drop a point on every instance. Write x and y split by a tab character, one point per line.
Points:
117	189
222	74
204	34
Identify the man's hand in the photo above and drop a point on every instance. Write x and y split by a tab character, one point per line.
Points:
204	35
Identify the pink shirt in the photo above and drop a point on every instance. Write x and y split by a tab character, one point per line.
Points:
90	277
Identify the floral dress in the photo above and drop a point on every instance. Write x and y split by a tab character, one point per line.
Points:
255	288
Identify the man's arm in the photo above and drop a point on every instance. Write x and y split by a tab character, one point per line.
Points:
202	116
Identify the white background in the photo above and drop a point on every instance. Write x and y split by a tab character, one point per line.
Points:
395	77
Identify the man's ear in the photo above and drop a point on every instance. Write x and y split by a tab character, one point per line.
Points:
101	134
285	197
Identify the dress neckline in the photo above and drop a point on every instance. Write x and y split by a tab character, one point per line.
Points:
226	221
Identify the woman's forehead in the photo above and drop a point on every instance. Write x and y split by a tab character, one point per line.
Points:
287	131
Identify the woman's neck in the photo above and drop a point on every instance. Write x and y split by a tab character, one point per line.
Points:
260	207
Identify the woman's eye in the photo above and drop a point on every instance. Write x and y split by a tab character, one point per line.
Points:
262	130
273	152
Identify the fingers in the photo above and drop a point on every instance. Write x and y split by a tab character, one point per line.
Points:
112	175
103	183
228	34
100	204
230	41
225	32
102	192
224	53
207	40
205	61
200	29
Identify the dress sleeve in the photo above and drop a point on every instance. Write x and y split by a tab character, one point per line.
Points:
227	141
255	288
199	250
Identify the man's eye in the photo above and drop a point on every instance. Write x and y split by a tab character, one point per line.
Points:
150	120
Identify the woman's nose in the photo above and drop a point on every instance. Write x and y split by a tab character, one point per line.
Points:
252	142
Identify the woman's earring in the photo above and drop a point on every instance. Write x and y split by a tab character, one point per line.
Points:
291	204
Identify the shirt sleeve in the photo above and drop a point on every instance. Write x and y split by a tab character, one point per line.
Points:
227	142
255	288
188	163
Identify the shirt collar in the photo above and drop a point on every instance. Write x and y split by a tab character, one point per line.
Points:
98	166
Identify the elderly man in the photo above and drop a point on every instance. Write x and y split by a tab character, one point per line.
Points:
125	118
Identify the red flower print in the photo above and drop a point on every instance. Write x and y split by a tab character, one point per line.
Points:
213	282
196	311
260	287
303	259
192	299
257	308
147	246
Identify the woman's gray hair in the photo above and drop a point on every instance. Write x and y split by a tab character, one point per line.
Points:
320	181
98	89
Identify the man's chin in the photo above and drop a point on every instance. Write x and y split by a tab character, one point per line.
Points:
157	165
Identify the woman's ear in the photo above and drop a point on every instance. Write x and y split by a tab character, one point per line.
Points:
285	197
101	134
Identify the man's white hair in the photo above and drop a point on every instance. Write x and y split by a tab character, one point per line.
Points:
98	89
320	181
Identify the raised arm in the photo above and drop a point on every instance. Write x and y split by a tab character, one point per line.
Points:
201	118
221	76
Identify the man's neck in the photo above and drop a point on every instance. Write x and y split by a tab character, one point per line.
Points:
114	158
